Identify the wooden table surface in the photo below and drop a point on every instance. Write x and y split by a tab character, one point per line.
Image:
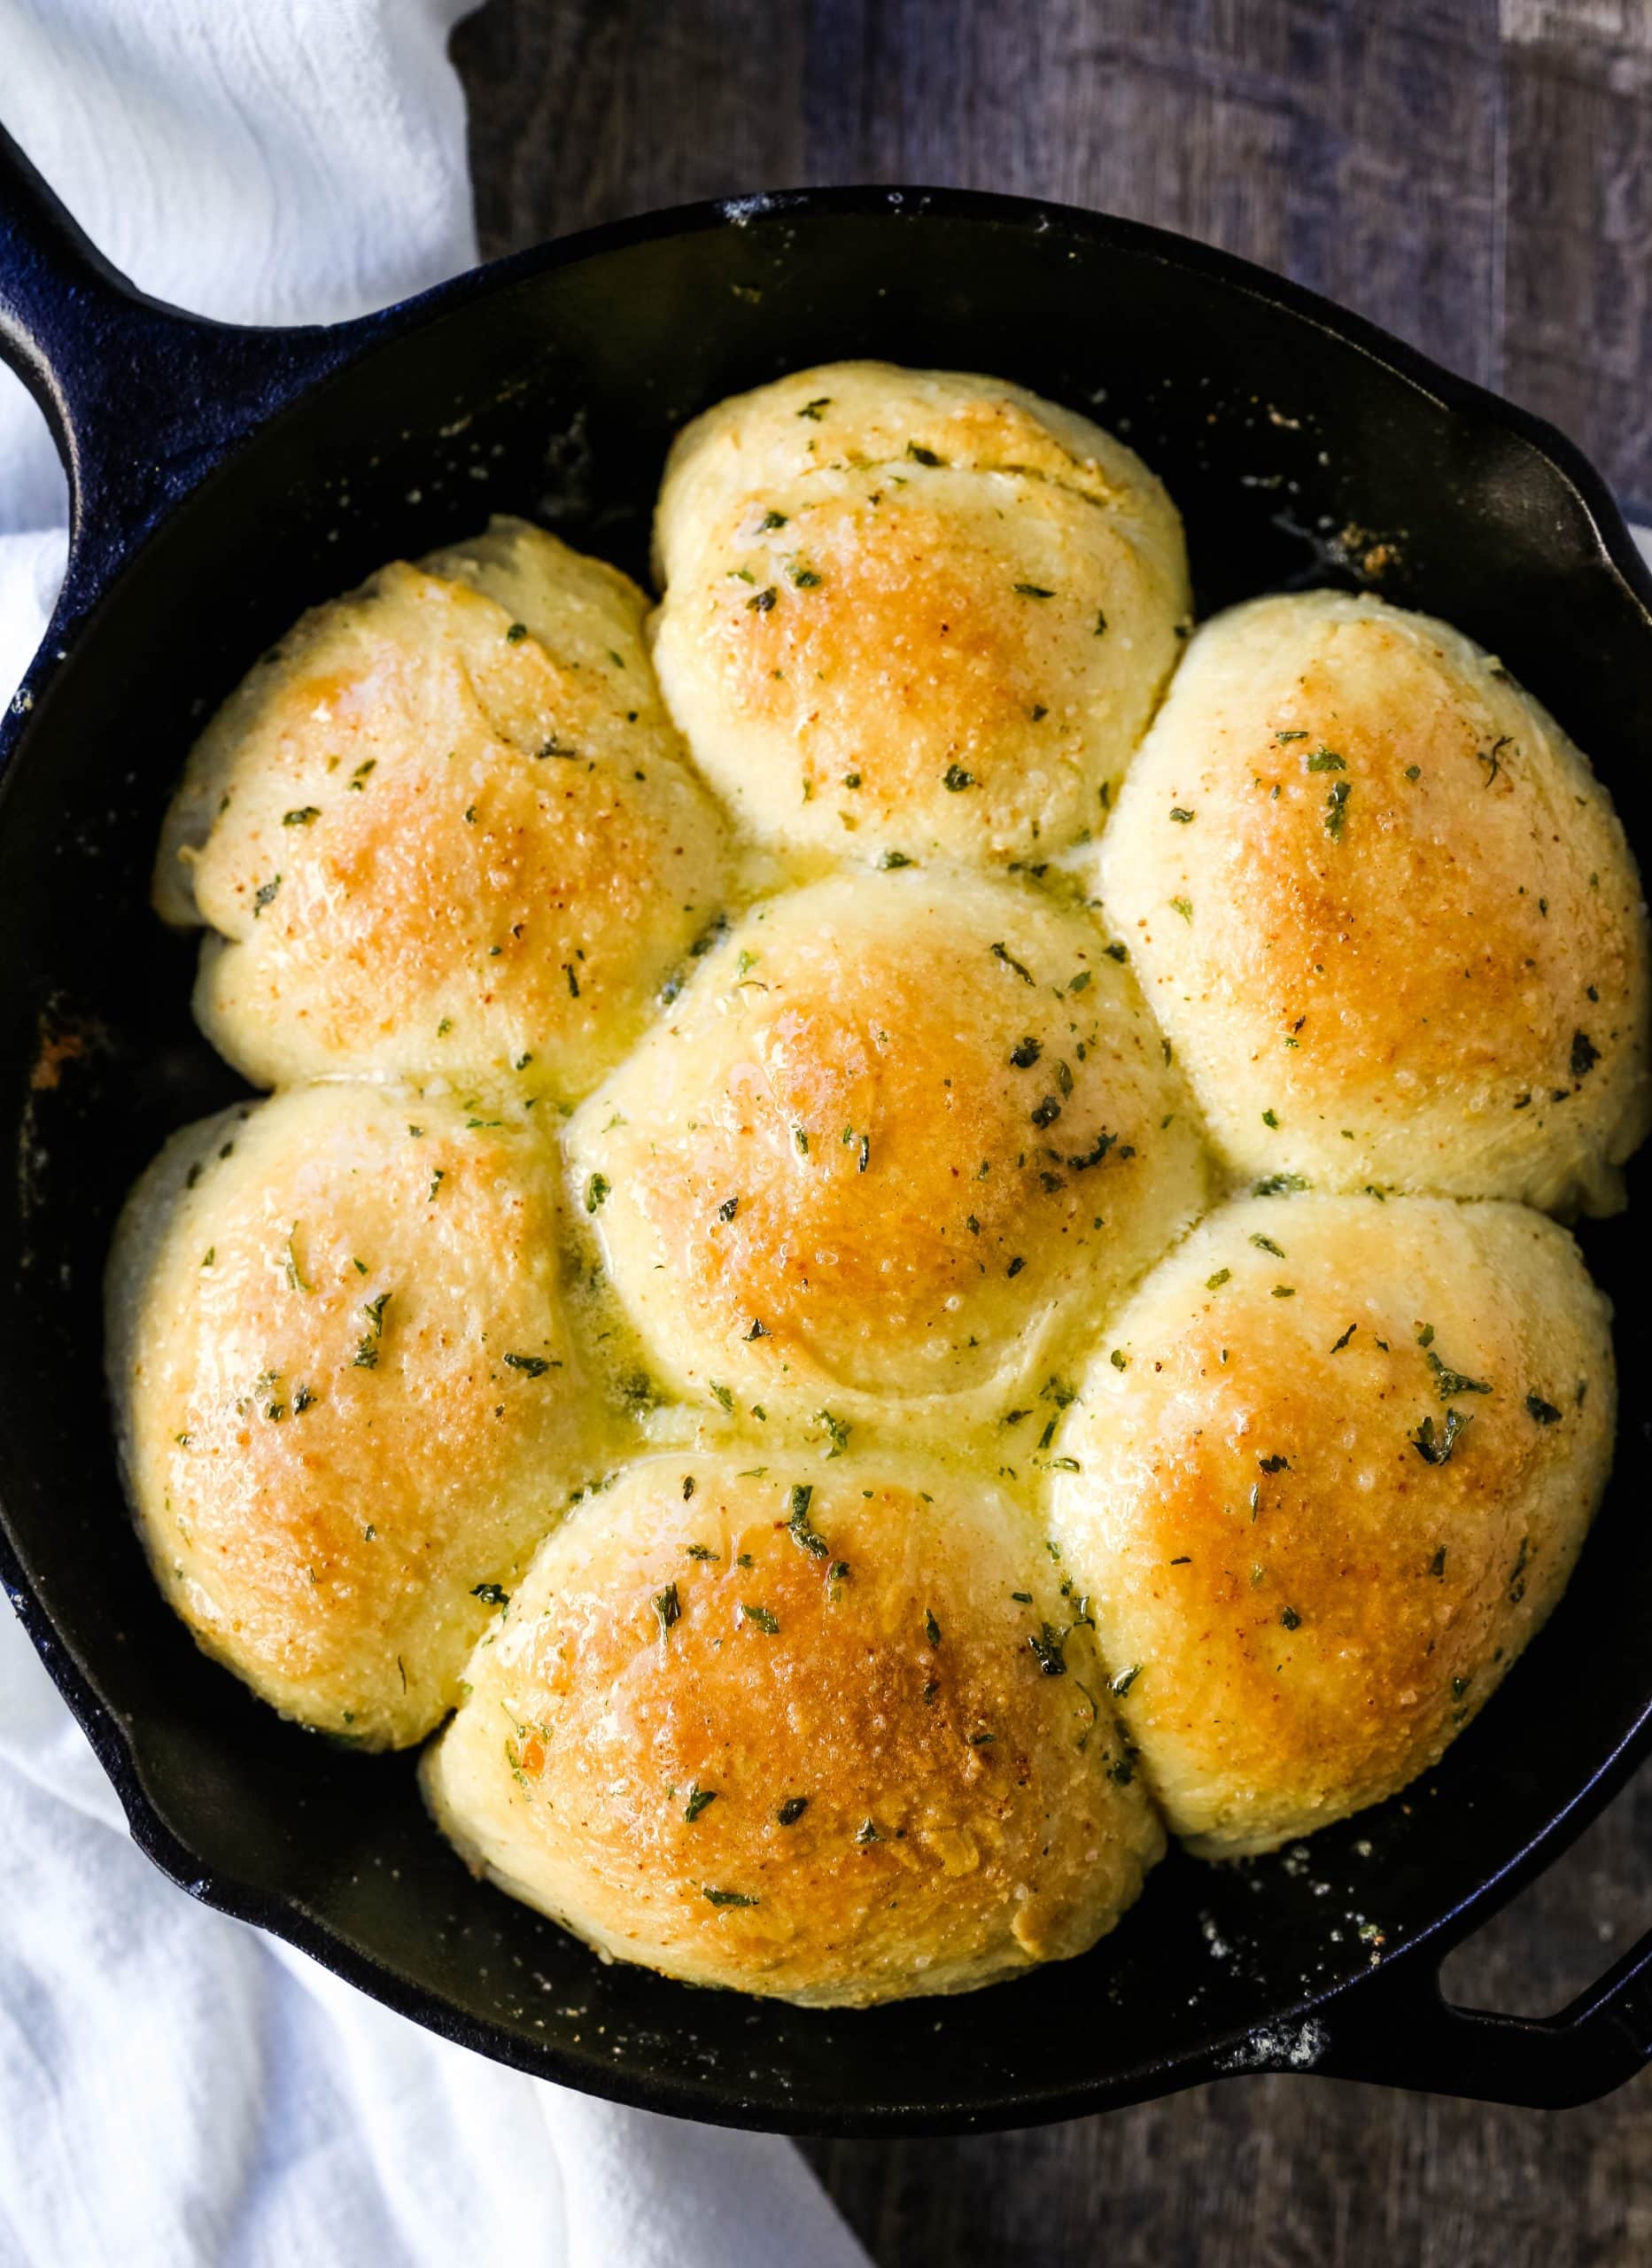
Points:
1476	174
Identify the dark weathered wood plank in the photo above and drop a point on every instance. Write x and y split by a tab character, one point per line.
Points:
1354	147
583	112
1578	225
1477	175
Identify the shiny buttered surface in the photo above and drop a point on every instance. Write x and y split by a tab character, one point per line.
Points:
899	1130
1327	1475
883	1264
836	1730
348	1401
910	609
1384	912
445	828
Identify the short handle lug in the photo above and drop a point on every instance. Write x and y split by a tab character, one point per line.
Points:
1402	2032
142	398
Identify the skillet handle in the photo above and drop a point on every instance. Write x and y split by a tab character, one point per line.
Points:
143	399
1406	2034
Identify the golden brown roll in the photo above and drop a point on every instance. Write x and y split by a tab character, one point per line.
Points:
1384	912
346	1397
445	828
832	1732
1330	1471
913	609
898	1128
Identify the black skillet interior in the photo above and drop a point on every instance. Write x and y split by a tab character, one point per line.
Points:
1302	448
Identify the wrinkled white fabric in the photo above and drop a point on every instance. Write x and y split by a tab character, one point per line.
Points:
176	2090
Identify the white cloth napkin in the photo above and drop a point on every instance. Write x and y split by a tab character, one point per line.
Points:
176	2090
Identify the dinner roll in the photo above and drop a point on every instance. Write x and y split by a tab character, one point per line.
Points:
897	1129
1330	1471
831	1731
913	608
445	826
346	1398
1384	911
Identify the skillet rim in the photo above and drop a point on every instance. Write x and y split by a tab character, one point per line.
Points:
1407	1976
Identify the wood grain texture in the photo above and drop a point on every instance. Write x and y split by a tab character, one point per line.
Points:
1477	175
1577	329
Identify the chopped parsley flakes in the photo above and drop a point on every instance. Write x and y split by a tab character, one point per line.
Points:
1434	1445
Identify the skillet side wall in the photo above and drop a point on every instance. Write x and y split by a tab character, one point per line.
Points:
1296	457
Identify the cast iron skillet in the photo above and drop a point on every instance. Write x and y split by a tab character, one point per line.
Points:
223	479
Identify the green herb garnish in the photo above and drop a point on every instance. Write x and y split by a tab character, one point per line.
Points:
1450	1382
797	1526
838	1430
1046	1645
1435	1447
